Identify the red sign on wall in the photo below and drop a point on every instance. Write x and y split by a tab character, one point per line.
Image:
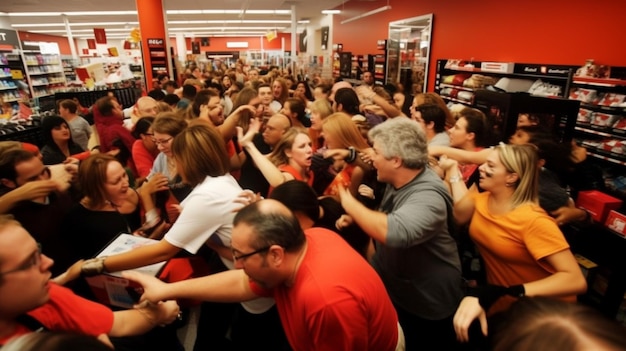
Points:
91	44
100	35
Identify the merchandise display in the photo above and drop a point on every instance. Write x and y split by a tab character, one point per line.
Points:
601	122
458	80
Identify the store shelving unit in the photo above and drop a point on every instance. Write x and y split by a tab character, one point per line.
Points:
458	80
601	122
45	73
9	91
69	64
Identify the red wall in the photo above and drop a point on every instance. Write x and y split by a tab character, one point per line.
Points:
532	31
254	43
64	45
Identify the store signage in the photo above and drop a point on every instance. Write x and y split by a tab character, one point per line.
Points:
9	39
156	43
100	35
557	71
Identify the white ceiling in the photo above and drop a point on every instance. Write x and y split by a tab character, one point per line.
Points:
192	25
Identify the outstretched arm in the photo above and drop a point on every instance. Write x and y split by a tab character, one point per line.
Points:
140	320
273	175
228	286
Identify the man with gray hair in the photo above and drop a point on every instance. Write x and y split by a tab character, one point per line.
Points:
416	256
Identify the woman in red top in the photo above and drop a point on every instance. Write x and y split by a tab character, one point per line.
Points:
290	159
341	133
144	149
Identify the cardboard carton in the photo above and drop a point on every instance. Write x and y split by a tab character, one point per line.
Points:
597	203
616	222
111	288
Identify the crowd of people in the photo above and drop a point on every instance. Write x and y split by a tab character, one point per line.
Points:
374	193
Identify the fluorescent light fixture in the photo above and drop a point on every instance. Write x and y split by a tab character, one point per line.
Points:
331	12
373	12
236	44
191	29
90	24
100	13
34	14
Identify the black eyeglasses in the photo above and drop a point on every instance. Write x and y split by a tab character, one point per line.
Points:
33	260
162	142
244	256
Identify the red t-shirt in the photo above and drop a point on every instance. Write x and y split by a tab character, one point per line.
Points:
66	311
337	302
296	175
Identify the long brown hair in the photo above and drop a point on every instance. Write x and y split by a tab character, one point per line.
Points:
200	152
340	125
92	175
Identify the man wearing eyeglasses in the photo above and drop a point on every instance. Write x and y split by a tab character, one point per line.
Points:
29	301
328	297
36	200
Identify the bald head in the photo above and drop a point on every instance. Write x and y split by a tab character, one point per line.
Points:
275	127
273	224
144	107
337	86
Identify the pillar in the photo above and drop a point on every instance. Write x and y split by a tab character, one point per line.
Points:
154	39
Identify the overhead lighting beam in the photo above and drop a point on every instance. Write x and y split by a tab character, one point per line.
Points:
373	12
331	12
169	12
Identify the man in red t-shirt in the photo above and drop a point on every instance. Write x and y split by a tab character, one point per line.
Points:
327	295
29	300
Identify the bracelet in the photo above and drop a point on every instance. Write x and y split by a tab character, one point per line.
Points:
93	267
352	157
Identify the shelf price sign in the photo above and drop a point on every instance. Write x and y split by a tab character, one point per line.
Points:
9	39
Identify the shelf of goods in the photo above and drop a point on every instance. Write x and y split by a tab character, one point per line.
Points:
601	121
8	87
69	65
45	72
457	80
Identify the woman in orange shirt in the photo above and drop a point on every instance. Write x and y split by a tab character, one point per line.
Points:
524	251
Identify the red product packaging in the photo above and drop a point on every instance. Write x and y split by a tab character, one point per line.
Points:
597	203
616	222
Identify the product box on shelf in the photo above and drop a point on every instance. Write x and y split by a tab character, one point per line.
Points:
111	288
616	222
597	203
497	67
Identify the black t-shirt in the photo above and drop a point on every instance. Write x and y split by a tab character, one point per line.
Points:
251	178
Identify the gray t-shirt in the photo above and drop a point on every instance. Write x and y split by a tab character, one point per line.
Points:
81	131
440	139
420	264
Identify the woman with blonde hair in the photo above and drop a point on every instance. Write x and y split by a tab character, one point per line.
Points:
320	109
290	158
341	133
524	251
